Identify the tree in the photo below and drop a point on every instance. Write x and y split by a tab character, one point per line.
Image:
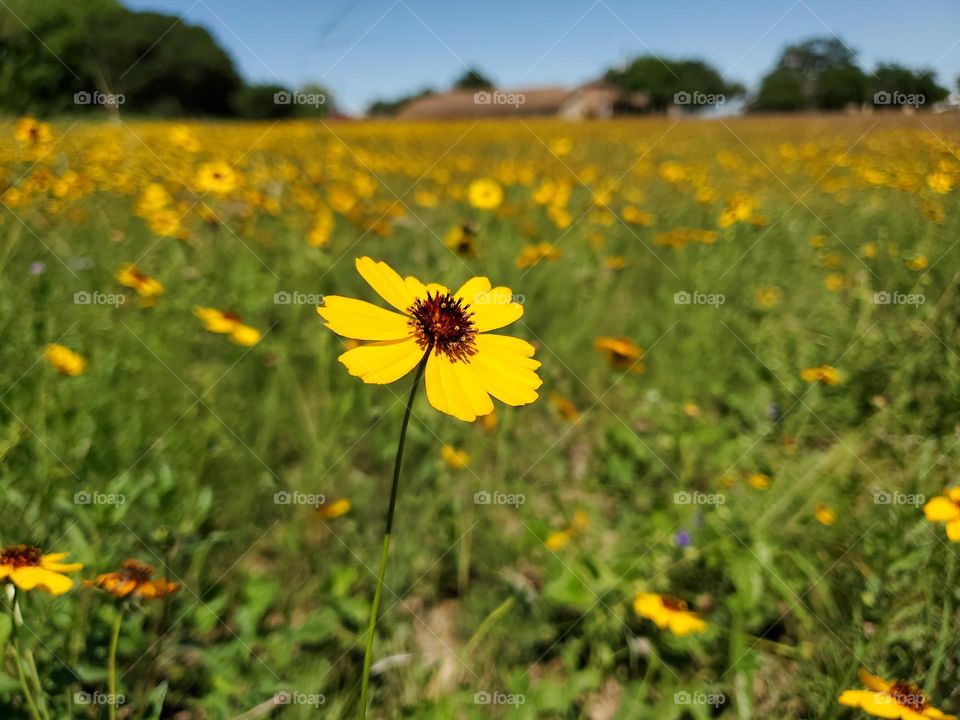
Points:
892	81
389	108
472	80
819	73
668	82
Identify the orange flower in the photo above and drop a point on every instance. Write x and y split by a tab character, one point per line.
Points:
622	353
134	579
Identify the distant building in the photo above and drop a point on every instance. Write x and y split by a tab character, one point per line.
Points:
594	100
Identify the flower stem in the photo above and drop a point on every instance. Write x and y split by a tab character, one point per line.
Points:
388	530
112	664
18	657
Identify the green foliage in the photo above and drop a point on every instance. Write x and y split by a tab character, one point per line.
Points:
472	79
661	79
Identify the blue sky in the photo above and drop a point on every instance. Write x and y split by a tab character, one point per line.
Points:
365	49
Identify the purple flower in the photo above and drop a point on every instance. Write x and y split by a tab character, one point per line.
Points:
682	539
37	268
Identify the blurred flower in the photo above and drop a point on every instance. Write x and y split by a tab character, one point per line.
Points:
146	286
824	514
330	511
946	509
897	699
460	239
465	364
818	241
834	282
27	568
323	224
37	268
615	262
940	182
637	217
485	194
489	422
691	409
533	254
454	458
668	612
558	540
768	297
32	131
566	408
826	374
561	538
869	250
216	177
918	263
621	353
134	579
758	481
227	323
682	539
65	360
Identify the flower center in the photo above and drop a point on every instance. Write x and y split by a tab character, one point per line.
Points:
444	323
20	556
673	603
136	570
908	695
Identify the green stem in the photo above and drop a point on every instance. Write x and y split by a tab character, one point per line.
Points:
388	530
18	658
112	665
485	626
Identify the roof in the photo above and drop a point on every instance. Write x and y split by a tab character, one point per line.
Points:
488	103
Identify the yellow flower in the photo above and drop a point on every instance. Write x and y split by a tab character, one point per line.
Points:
834	282
330	511
426	199
533	254
825	373
134	579
758	481
28	568
216	177
459	238
146	286
824	514
899	699
691	409
65	360
918	263
454	458
558	540
465	364
940	183
869	250
637	217
946	509
622	353
566	408
668	612
768	297
32	131
818	241
227	323
323	225
166	223
485	194
615	262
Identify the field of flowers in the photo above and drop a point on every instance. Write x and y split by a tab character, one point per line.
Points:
730	496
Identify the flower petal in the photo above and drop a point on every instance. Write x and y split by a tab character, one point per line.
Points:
361	320
386	282
511	350
383	362
494	309
28	578
953	530
941	509
454	390
473	287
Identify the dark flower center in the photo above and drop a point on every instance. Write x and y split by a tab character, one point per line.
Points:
673	603
908	695
137	571
444	323
21	556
